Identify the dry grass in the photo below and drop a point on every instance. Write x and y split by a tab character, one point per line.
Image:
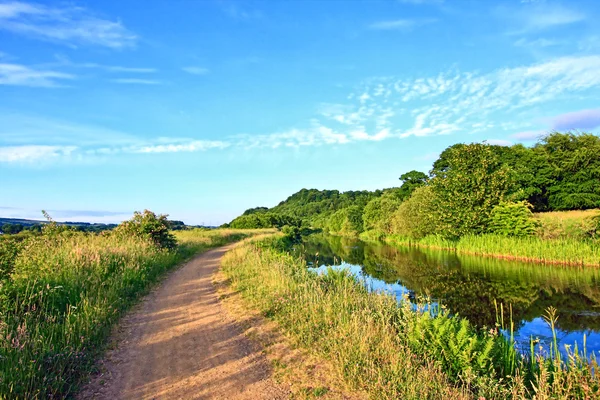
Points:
576	224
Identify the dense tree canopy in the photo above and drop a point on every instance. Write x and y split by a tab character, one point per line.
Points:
466	182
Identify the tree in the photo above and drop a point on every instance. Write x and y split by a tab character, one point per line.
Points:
573	163
474	181
416	216
410	181
378	212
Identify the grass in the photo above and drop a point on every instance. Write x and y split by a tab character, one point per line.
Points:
64	293
565	251
577	224
392	351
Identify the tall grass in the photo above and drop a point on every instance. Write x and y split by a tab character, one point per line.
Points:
564	251
64	294
389	349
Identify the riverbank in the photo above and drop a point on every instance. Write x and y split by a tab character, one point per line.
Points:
389	350
562	251
63	294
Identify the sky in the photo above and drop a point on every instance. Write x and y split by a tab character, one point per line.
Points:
202	109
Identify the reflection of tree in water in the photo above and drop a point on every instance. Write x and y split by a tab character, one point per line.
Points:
469	285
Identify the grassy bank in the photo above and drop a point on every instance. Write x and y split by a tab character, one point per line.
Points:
61	293
533	249
390	350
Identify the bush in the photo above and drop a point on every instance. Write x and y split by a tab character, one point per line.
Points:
150	226
347	221
415	217
512	219
378	212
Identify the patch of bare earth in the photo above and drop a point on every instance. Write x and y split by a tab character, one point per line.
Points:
180	343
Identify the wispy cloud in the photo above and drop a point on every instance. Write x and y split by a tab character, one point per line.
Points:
191	146
400	24
239	12
422	2
584	120
387	108
538	16
21	75
461	101
196	70
136	81
69	24
538	43
11	154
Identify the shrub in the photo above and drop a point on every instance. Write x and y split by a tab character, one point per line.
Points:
512	219
415	217
150	226
347	221
378	212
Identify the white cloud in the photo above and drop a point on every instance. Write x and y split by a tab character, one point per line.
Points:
10	154
192	146
400	24
538	43
136	81
196	70
21	75
538	16
456	101
386	108
422	2
70	25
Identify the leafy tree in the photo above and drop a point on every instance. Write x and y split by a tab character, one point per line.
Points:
346	221
416	217
471	185
410	181
378	212
255	210
574	165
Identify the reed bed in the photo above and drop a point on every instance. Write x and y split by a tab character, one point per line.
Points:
563	251
63	295
391	350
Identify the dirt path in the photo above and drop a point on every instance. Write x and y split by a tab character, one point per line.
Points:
180	344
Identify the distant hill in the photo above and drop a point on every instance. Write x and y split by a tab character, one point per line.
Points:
312	206
30	222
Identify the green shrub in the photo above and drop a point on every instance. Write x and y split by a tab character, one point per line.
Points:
512	219
150	226
347	221
415	217
378	212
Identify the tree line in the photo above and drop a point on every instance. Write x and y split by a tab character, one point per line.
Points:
471	189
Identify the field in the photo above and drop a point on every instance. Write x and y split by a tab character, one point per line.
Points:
392	351
62	292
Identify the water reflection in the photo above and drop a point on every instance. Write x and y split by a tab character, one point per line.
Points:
469	285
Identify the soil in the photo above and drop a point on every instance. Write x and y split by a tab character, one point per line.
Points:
180	343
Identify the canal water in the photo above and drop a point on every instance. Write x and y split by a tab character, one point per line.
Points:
470	286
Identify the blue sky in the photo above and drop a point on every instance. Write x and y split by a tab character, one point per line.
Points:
202	109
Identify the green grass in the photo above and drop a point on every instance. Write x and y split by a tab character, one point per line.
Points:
63	295
392	351
531	248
